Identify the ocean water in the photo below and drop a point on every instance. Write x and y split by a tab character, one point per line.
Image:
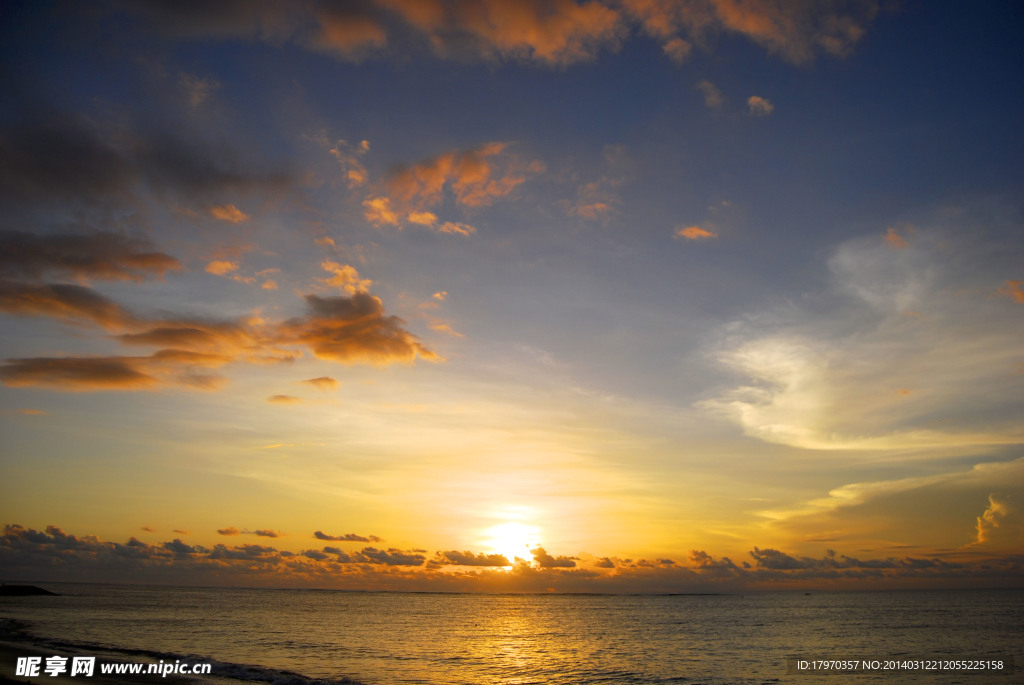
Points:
301	636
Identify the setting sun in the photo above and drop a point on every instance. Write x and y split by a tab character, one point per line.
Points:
513	539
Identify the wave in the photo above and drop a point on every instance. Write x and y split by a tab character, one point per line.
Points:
15	632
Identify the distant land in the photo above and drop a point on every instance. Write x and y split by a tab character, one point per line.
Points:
22	590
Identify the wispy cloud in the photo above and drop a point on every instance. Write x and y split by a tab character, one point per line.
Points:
347	537
470	178
694	233
759	106
902	350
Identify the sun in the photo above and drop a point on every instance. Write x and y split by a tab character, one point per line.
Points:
513	539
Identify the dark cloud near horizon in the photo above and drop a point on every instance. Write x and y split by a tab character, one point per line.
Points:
347	537
44	553
467	558
545	560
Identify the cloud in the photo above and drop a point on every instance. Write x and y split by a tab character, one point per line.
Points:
349	158
475	177
347	537
456	228
51	159
422	218
903	348
53	555
471	178
284	399
1012	289
229	213
228	531
596	199
348	329
348	30
391	557
266	533
102	256
197	89
221	267
712	95
445	328
894	239
355	328
378	211
73	303
76	373
555	32
346	278
545	560
677	49
694	233
797	31
759	106
456	558
440	295
322	383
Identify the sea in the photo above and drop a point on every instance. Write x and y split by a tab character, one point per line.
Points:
382	638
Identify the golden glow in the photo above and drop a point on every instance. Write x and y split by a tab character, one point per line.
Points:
513	539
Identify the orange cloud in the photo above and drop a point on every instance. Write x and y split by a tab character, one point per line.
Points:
456	228
378	211
228	531
695	233
554	32
221	267
346	278
795	30
322	383
445	328
229	213
284	399
759	106
355	328
895	239
475	177
348	30
1013	289
422	218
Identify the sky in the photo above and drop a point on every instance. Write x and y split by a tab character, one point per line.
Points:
495	295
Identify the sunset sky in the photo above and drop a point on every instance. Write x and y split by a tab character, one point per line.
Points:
513	295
